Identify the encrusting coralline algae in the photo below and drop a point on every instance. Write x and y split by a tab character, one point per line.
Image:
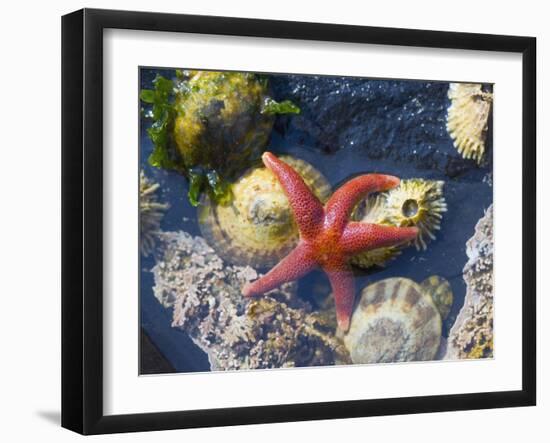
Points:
277	330
472	334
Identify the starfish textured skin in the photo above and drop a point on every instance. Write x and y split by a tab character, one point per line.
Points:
327	237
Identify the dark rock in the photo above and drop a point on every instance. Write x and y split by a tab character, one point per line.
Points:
393	119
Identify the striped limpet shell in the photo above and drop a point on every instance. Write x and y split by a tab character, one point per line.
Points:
395	320
257	227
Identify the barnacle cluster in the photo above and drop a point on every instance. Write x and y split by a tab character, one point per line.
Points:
415	202
151	212
467	118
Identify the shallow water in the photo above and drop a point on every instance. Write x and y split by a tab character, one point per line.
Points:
347	126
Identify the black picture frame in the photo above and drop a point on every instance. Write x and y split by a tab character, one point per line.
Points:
82	218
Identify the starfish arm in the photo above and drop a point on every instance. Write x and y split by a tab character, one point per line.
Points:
343	287
360	236
308	210
295	265
339	207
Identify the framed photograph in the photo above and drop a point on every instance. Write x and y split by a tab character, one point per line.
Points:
270	221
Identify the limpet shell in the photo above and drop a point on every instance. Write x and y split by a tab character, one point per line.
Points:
219	124
415	202
394	321
257	227
467	118
441	292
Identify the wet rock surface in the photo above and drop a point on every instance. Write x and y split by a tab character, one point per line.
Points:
386	119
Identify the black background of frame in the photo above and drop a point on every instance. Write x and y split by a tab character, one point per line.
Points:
82	221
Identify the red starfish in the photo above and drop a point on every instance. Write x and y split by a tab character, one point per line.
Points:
327	238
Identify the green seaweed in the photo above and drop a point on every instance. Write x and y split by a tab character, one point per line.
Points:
207	181
163	113
219	187
272	107
196	185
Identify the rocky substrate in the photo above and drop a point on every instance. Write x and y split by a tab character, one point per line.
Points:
273	331
472	334
386	119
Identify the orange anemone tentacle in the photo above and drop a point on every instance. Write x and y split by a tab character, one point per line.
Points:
307	209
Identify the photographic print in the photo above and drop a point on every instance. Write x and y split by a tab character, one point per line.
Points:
291	220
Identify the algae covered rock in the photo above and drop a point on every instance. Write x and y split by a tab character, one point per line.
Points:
210	125
278	330
472	334
219	121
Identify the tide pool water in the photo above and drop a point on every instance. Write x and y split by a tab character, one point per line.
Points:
347	126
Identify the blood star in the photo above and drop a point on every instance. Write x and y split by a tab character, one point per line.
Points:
327	237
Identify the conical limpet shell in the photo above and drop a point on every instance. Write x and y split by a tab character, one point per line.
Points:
415	202
257	227
395	320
